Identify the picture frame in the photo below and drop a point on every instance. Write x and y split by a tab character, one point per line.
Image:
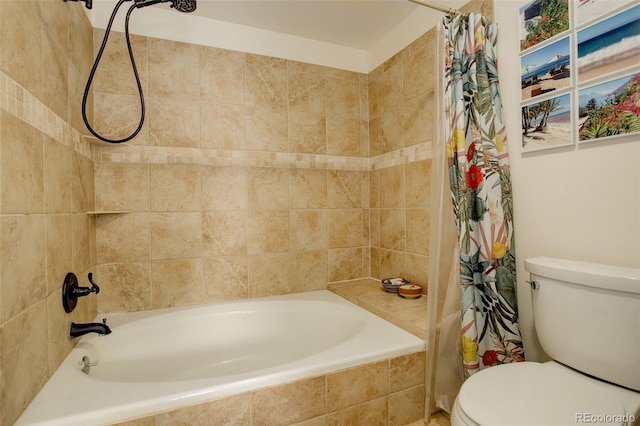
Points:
609	109
581	83
547	123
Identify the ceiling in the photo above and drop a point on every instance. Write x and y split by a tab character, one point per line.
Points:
357	23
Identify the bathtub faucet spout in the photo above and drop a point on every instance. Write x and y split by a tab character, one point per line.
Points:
78	330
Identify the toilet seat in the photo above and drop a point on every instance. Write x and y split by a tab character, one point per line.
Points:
530	393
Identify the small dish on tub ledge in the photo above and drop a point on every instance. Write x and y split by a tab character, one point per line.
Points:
410	291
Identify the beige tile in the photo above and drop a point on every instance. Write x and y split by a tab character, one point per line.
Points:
145	421
344	189
390	89
83	247
57	175
23	266
407	371
417	269
123	238
414	78
268	61
222	126
308	229
80	47
126	287
343	98
406	406
307	189
419	119
307	133
375	141
343	136
357	385
372	97
224	232
391	130
418	228
234	410
158	44
309	270
345	228
174	75
24	365
118	116
175	235
224	188
374	227
225	278
268	231
56	21
345	264
21	155
173	123
266	129
269	274
268	188
306	93
418	187
222	80
21	43
115	74
58	250
58	324
392	187
392	263
176	282
393	229
370	413
266	87
54	76
174	187
215	52
303	399
82	184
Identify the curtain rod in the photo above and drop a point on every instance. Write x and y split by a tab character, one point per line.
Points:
436	6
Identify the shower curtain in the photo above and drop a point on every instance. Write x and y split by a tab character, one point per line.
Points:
473	315
481	193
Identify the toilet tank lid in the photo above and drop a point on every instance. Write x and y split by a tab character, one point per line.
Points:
596	275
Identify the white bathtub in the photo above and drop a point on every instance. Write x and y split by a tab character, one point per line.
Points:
158	360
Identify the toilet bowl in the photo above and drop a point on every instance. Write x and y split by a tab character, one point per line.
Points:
540	394
587	317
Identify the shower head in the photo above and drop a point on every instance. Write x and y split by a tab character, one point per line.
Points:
179	5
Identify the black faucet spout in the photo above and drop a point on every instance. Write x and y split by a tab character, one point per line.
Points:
78	330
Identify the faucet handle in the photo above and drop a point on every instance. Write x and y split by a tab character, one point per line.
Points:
94	287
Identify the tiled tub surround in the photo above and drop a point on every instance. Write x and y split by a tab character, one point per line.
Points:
256	176
46	186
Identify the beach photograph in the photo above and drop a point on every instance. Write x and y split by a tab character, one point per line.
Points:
610	45
546	69
589	10
541	20
547	124
609	109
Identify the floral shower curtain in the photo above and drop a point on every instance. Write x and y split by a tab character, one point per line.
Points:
478	165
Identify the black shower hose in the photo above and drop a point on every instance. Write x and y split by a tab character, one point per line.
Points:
135	73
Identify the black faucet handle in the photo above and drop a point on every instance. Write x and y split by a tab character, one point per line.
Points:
94	287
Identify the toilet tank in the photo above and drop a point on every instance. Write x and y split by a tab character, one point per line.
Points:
587	316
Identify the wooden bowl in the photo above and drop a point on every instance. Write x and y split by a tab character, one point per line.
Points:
410	291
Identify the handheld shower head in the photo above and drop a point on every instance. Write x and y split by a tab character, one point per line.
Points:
179	5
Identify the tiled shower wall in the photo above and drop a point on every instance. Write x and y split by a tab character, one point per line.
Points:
251	175
46	186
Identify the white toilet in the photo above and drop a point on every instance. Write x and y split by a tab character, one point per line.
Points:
587	317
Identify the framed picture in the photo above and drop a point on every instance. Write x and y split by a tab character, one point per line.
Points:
547	124
589	10
609	45
610	109
546	69
541	20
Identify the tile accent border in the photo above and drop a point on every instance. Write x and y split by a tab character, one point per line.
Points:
20	103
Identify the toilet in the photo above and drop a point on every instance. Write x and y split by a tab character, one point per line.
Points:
587	317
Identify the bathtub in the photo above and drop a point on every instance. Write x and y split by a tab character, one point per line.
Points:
159	360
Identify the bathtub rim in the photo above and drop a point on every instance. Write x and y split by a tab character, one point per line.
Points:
160	402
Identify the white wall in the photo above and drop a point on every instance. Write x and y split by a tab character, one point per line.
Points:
580	202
